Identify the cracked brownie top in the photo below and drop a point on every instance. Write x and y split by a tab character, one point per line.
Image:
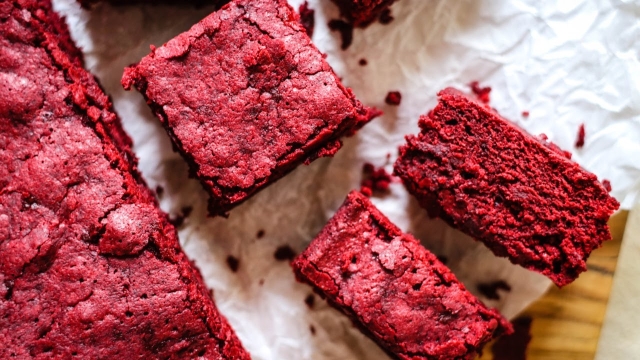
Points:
396	291
246	97
90	266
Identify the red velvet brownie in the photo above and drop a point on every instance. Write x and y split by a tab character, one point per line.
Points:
393	289
361	13
217	3
521	196
246	97
90	266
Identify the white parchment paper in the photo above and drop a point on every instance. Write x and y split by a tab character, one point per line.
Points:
566	62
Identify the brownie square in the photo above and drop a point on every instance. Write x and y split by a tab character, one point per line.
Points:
398	293
361	13
521	196
90	267
246	97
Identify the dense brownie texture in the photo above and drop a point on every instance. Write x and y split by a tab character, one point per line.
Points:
518	194
90	266
217	3
361	13
246	98
393	289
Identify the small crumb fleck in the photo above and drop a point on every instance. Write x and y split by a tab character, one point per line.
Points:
233	263
307	18
514	346
310	301
312	329
159	191
581	135
525	114
186	211
260	234
393	98
346	32
386	17
261	282
284	253
374	180
363	62
481	92
607	185
490	290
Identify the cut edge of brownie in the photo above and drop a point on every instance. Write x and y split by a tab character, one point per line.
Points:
302	265
453	109
218	203
92	103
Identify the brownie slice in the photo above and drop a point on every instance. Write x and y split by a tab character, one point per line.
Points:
398	293
91	268
361	13
246	97
524	198
217	3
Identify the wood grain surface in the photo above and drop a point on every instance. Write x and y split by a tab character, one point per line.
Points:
566	322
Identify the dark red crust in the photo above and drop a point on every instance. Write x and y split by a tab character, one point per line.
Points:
246	98
393	289
519	195
218	3
361	13
90	266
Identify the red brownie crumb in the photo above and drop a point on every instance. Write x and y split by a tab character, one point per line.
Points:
525	114
393	289
580	138
346	32
490	179
374	180
260	234
514	346
246	97
361	13
312	329
607	185
233	263
490	290
385	17
284	253
307	18
363	62
159	191
91	268
483	93
393	98
310	300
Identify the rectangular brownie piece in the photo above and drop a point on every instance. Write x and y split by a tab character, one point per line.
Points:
246	97
398	293
91	268
516	193
361	13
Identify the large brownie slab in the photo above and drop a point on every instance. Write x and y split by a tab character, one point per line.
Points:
90	267
523	197
393	289
246	97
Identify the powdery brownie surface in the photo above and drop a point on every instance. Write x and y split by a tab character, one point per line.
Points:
217	3
361	13
246	98
393	289
90	266
518	194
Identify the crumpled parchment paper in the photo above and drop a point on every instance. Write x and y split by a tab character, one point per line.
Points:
565	62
